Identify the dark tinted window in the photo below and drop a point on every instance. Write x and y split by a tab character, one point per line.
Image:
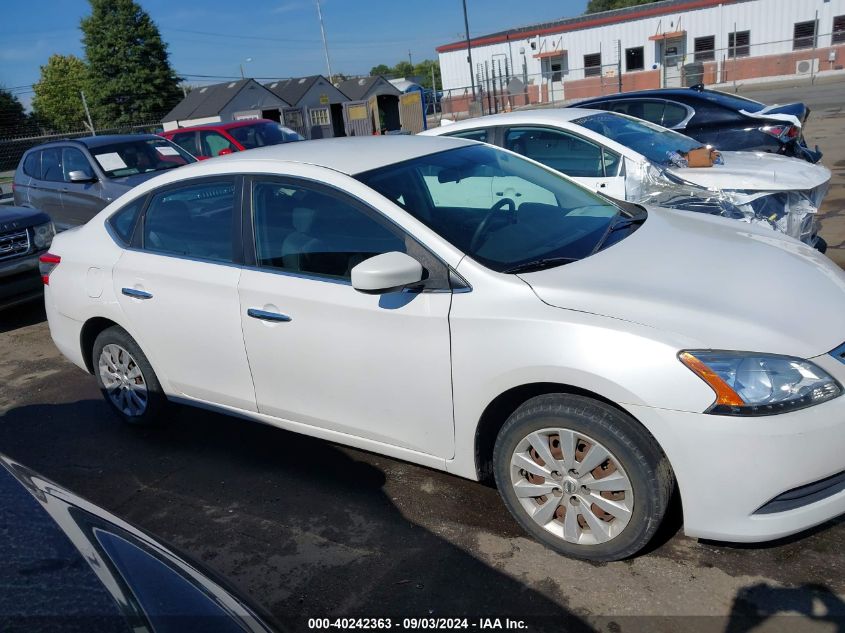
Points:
733	102
705	48
187	141
838	36
559	150
634	58
139	156
32	165
530	214
261	134
212	143
194	220
592	65
474	135
673	114
739	44
301	230
804	35
123	222
646	109
74	160
51	164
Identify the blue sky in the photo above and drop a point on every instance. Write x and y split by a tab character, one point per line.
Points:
282	37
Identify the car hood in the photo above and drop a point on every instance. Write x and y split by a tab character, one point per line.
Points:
757	171
721	283
18	217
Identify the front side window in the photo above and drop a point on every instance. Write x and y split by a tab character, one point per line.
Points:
74	160
192	221
140	156
473	135
656	143
516	230
212	143
307	231
187	141
559	150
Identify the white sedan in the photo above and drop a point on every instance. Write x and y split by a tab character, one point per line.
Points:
635	160
589	355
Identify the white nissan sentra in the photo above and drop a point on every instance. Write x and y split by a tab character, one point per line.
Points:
590	355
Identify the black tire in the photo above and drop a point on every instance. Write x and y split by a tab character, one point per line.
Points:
630	444
156	401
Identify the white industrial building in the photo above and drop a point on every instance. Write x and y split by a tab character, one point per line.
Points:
654	45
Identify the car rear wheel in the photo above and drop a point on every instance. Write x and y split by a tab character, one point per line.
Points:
126	379
582	477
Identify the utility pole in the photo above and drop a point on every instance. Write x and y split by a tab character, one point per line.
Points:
469	50
619	63
87	114
325	45
410	61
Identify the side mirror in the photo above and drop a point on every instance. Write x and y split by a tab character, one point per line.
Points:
387	272
80	176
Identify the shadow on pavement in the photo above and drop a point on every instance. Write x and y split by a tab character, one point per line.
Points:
817	608
299	524
22	315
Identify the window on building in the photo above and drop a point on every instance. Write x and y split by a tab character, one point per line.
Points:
634	58
804	35
320	116
739	44
592	65
193	221
705	48
838	36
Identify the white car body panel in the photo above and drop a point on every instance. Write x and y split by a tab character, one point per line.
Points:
412	379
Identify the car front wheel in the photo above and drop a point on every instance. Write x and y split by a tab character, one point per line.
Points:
126	379
582	477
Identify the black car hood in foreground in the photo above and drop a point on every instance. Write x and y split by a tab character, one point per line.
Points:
67	565
12	218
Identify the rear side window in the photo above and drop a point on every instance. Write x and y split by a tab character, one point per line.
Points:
674	114
645	109
123	222
32	165
473	135
51	164
192	221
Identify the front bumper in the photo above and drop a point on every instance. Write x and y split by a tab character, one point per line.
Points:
729	469
20	281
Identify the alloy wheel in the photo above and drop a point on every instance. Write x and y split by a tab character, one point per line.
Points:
123	380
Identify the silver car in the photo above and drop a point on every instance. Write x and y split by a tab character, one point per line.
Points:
74	179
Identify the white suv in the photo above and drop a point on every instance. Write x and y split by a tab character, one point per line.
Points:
376	292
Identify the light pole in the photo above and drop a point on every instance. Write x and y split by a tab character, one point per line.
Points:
246	61
469	50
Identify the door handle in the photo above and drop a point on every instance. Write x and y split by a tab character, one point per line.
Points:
263	315
136	294
602	185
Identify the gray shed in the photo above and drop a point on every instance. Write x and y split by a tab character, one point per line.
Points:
221	103
381	92
320	104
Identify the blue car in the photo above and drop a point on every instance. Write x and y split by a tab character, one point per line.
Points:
726	121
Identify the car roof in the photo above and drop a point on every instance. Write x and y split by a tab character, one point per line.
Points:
692	93
99	141
521	117
349	155
218	126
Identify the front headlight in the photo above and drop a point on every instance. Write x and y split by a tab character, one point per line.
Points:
43	235
760	384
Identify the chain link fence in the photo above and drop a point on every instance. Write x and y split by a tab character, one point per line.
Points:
679	62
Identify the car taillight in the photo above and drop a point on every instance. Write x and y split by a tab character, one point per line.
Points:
781	132
46	264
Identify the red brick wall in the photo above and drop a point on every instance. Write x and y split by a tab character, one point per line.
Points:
784	64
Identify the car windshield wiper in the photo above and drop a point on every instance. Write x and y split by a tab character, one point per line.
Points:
618	224
540	264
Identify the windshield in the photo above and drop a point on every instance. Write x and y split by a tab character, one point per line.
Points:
261	134
659	145
139	156
502	210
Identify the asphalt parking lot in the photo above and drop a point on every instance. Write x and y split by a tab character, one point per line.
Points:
310	529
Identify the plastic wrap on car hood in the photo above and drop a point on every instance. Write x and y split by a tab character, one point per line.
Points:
789	210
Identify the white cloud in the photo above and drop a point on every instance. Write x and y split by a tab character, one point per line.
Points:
288	7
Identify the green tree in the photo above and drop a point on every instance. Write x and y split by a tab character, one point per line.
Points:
57	103
13	118
381	69
131	79
420	70
595	6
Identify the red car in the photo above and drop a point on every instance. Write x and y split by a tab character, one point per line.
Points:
217	139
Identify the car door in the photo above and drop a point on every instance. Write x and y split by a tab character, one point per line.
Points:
81	201
178	287
45	190
326	355
587	162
